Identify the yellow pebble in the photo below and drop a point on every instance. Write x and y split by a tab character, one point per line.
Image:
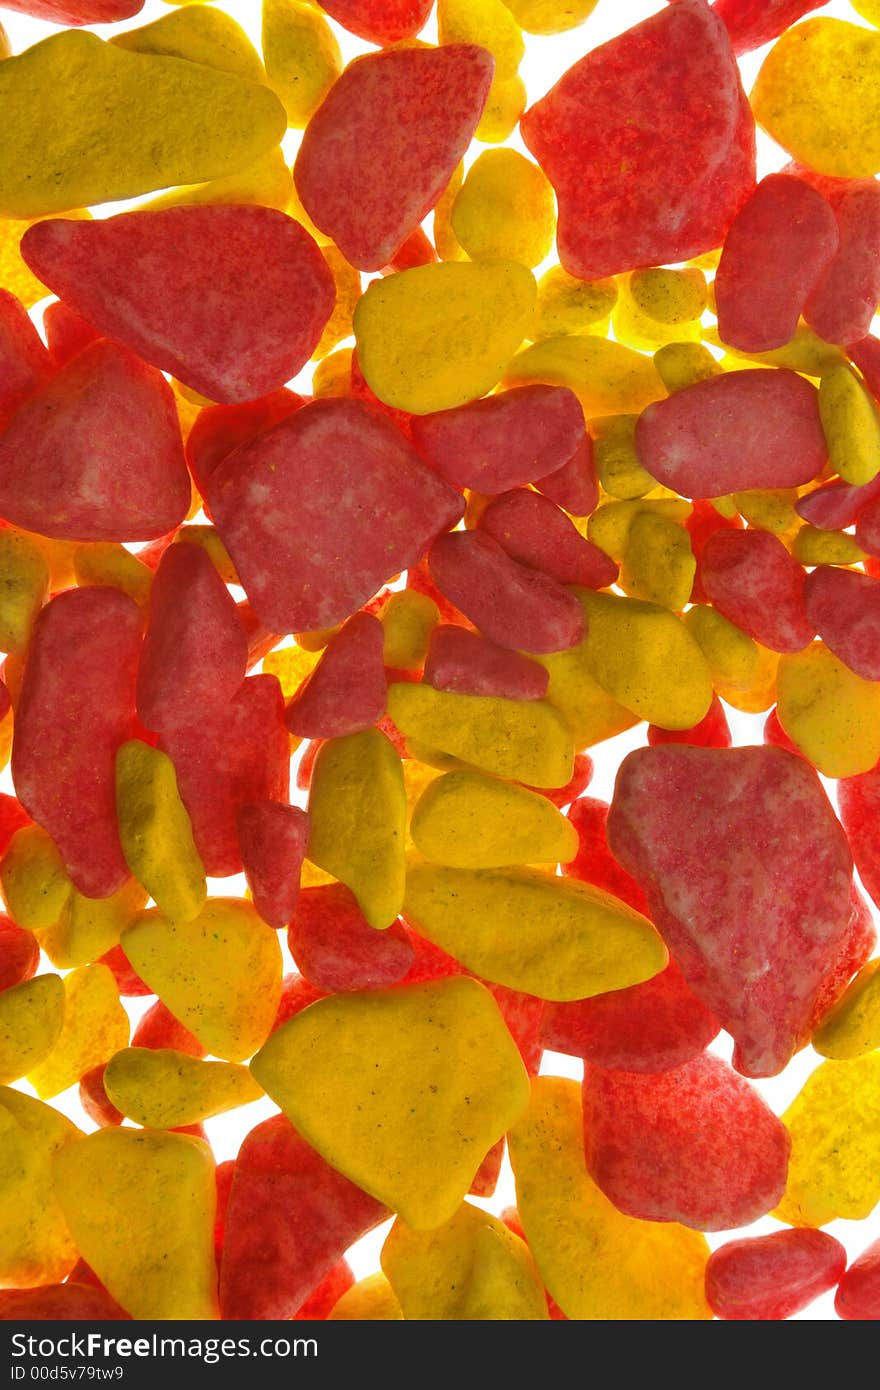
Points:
805	352
266	182
566	305
35	1243
658	563
617	462
291	666
207	538
609	525
155	831
220	975
523	740
89	927
814	547
301	55
769	509
660	306
588	710
606	377
162	1089
357	810
646	659
440	335
470	821
95	1026
33	879
760	694
348	292
488	23
470	1269
830	122
445	240
555	938
106	563
140	1205
402	1090
370	1300
505	104
505	210
201	36
550	16
598	1264
868	9
24	587
333	375
832	714
852	1027
834	1125
408	619
681	364
850	420
182	122
5	45
732	656
31	1016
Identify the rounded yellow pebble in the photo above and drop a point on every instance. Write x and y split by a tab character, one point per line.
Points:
370	1300
617	463
659	306
35	1243
760	693
850	420
333	375
162	1089
598	1264
403	1090
868	9
24	587
550	16
769	509
155	831
199	35
302	57
566	305
95	1026
505	210
488	23
89	927
291	665
266	182
832	714
680	364
524	740
504	105
814	547
469	821
33	880
357	813
609	525
31	1016
852	1027
439	335
658	563
408	619
732	656
140	1205
606	377
107	564
445	240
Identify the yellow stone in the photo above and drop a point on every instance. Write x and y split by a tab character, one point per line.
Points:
488	23
469	821
852	1027
550	16
617	463
370	1300
408	619
33	879
732	656
107	564
850	420
301	55
348	292
505	104
445	239
206	36
660	306
588	710
609	525
35	1243
95	1026
832	714
658	563
606	377
163	1089
505	210
291	665
267	182
24	587
89	927
814	547
681	364
31	1015
155	831
333	375
566	305
770	509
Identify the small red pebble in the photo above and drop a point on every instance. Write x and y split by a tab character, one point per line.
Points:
843	607
347	691
380	21
855	950
594	863
337	950
844	301
127	982
858	804
66	332
68	1302
755	583
523	1014
858	1297
752	23
534	531
384	143
486	1177
323	1299
272	839
574	486
290	1218
775	252
159	1028
514	606
504	441
195	649
94	1099
416	250
320	511
469	664
19	953
76	707
219	429
296	994
64	471
751	429
713	731
702	523
179	288
24	362
697	1145
835	506
775	734
769	1278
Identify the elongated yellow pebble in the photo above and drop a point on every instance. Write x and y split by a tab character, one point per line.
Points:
470	1269
556	938
108	564
182	122
370	1300
162	1089
832	714
220	974
267	182
592	715
33	880
598	1264
804	352
357	810
403	1090
658	563
31	1015
95	1026
89	927
201	35
440	335
301	55
140	1205
834	1125
35	1244
505	104
24	588
505	210
814	547
566	305
155	831
606	377
550	16
852	1027
408	619
617	463
523	740
850	421
732	656
470	821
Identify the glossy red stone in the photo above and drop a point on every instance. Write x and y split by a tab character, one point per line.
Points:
769	1278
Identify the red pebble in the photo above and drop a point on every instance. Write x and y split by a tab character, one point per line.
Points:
380	21
858	1297
755	583
229	758
159	1028
865	354
337	950
485	1179
697	1145
346	691
514	606
858	803
19	953
835	506
24	362
291	1217
416	250
68	1302
580	779
418	578
523	1014
713	731
195	649
503	441
469	664
77	11
774	255
127	982
702	523
574	486
219	429
668	186
752	23
272	838
533	530
844	301
223	1175
385	142
843	607
66	332
769	1278
94	1099
650	1027
320	511
747	875
868	527
594	863
324	1298
179	288
296	994
76	707
775	734
96	454
742	430
857	947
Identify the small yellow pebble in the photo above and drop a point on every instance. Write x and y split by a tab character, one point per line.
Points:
333	375
470	821
504	105
760	693
658	564
588	710
408	619
770	509
609	525
566	305
291	665
31	1017
95	1026
659	306
106	563
302	57
681	364
24	587
850	421
348	292
370	1300
33	880
550	16
814	547
445	239
155	831
832	714
488	23
617	463
505	210
163	1089
732	656
35	1243
606	377
89	927
852	1027
201	35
